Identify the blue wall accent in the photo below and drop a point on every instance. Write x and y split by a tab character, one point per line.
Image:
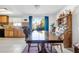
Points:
46	23
30	22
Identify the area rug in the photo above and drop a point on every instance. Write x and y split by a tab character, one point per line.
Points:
34	49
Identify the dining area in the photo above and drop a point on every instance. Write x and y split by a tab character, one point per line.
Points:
45	46
45	40
46	33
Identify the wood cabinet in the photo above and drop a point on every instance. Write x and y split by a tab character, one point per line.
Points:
68	39
68	33
4	19
14	33
18	33
8	32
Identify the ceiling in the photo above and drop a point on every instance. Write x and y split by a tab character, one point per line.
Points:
23	10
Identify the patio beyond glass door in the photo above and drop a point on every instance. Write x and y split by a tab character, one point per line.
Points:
38	28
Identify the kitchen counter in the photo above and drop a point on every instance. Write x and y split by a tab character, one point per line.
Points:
9	31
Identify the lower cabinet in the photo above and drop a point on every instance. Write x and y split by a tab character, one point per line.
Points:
18	33
14	33
8	32
68	39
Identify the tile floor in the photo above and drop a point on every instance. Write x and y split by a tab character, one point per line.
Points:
17	45
12	45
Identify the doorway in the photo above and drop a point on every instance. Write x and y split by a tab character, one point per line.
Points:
39	26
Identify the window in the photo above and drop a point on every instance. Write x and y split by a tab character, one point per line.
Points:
17	24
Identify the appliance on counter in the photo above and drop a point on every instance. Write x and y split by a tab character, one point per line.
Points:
2	31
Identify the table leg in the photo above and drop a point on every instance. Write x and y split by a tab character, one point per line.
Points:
38	47
51	47
43	50
29	44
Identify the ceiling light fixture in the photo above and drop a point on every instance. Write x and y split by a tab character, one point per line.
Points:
4	11
37	6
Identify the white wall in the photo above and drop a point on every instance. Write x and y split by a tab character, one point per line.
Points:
17	19
52	19
75	26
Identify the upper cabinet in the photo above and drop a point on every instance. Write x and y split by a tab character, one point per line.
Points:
4	19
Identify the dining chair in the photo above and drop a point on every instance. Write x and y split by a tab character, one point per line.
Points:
30	45
58	45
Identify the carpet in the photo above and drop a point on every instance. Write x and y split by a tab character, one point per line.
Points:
34	49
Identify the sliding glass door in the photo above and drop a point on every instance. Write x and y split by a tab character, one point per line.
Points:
39	27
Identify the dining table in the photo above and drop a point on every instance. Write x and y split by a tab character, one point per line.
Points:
50	38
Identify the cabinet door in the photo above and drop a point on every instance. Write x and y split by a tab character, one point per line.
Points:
11	33
68	39
4	19
0	20
68	33
15	32
69	22
20	33
8	33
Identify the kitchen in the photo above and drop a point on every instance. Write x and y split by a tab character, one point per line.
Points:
10	29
